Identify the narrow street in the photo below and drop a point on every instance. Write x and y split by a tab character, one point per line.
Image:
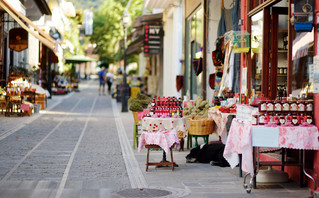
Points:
81	147
73	146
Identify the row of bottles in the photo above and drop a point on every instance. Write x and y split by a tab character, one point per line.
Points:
295	118
168	106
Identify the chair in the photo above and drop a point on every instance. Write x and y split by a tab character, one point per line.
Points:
136	129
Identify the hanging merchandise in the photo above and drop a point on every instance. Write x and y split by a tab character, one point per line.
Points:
303	15
218	54
240	42
197	64
211	81
222	23
179	82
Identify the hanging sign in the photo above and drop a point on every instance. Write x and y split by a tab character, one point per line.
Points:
18	39
152	39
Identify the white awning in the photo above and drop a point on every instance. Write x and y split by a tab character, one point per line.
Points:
156	4
41	35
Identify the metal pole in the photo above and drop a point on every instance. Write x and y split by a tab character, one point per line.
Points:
50	74
125	88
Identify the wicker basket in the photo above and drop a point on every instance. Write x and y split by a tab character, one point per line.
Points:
200	127
136	120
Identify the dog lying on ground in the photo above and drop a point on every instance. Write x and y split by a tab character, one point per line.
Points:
208	153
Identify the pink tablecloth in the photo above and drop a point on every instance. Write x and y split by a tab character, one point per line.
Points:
168	124
220	120
162	138
240	141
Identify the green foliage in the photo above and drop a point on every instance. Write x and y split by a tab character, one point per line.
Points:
108	30
72	34
139	103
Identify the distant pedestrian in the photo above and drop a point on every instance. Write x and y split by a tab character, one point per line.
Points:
102	81
109	80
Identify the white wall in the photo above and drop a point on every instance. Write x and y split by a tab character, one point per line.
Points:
214	12
33	51
172	50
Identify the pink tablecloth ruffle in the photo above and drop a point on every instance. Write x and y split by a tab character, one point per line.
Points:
162	138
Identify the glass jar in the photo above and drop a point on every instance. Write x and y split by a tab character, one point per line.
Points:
277	106
270	106
293	106
309	119
309	105
262	106
285	106
275	119
261	119
301	106
282	119
254	119
294	120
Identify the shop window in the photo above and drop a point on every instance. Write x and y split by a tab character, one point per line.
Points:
302	68
194	43
256	50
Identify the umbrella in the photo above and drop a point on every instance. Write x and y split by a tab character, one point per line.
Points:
40	90
79	59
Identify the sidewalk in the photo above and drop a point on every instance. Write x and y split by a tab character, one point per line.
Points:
202	180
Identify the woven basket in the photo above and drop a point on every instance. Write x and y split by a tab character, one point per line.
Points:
136	120
201	127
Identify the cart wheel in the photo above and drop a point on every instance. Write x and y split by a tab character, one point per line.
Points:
248	190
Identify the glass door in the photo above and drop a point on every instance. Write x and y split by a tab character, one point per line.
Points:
193	50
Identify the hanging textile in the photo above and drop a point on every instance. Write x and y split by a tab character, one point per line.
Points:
222	23
179	82
197	64
236	16
236	27
211	81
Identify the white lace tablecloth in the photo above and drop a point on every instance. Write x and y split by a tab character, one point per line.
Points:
168	124
240	140
162	138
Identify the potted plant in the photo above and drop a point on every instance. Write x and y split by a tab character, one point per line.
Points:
137	104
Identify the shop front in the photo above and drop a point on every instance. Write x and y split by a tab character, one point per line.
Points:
282	63
20	43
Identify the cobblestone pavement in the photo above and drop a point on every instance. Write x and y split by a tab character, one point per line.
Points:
81	146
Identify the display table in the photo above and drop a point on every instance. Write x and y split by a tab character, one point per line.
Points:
161	133
159	139
220	120
244	137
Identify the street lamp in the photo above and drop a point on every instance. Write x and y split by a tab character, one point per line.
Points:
125	90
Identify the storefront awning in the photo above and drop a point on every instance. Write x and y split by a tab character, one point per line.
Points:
163	4
79	59
41	35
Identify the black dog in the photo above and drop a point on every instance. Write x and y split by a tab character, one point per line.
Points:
208	153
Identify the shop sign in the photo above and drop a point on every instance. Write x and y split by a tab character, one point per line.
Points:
18	39
152	39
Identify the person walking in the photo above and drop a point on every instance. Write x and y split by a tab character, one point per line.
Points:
101	75
109	80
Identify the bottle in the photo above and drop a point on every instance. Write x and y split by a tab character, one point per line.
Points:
153	104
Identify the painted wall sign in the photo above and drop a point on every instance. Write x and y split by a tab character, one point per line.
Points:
18	39
152	39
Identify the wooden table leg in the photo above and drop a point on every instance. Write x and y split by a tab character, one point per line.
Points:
147	158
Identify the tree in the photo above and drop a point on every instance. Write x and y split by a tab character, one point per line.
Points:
108	30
